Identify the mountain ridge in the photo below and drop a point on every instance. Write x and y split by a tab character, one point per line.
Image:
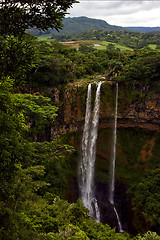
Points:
79	24
73	25
86	24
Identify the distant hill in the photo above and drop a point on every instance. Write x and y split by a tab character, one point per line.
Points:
143	29
83	24
80	24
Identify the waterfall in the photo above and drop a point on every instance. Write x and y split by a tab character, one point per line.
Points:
86	167
113	157
112	166
118	220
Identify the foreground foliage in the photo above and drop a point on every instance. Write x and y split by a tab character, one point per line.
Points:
17	16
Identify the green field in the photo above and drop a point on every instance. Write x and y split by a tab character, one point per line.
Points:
45	37
116	45
152	46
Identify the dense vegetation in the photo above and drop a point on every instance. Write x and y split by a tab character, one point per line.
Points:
33	167
61	64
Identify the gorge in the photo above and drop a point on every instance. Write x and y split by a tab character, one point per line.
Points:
137	141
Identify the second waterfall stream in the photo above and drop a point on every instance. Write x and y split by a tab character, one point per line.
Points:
112	165
88	157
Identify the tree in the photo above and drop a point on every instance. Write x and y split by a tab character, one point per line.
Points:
17	16
38	111
17	56
13	146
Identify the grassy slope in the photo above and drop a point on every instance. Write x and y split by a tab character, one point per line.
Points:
45	37
152	46
116	45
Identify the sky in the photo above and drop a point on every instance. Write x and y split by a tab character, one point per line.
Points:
125	13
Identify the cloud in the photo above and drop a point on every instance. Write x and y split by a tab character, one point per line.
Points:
121	13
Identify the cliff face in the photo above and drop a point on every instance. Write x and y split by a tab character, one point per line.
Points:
135	109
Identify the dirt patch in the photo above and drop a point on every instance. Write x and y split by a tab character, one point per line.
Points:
71	44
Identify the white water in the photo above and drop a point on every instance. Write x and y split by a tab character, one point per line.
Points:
97	212
83	167
113	158
86	168
112	166
118	219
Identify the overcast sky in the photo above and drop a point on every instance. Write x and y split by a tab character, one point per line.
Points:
120	13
